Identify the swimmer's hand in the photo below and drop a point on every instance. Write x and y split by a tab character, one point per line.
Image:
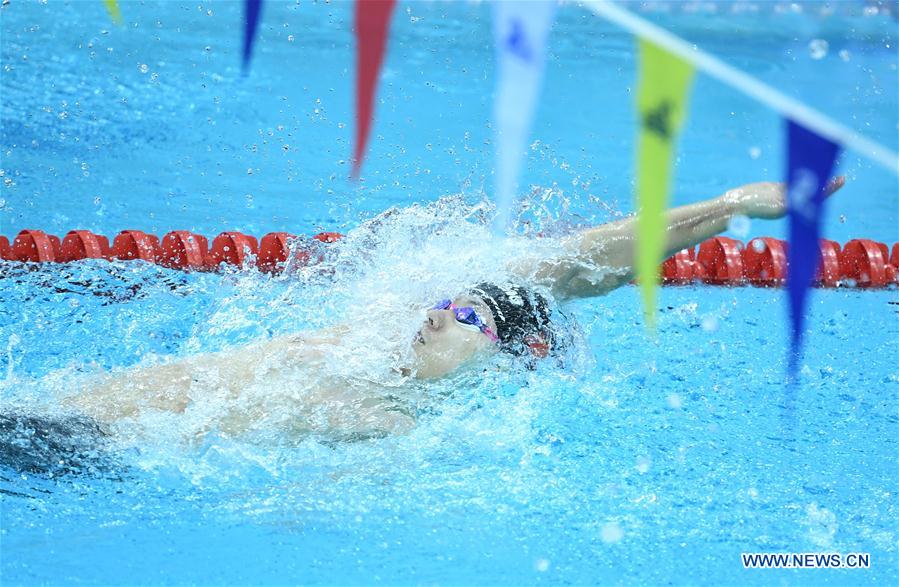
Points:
767	200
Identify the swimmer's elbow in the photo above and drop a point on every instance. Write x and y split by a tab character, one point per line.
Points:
586	270
590	284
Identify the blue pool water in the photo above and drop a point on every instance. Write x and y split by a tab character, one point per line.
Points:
637	462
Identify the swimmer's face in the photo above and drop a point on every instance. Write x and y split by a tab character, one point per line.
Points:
443	344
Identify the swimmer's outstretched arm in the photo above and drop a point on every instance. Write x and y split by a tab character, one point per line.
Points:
173	386
601	258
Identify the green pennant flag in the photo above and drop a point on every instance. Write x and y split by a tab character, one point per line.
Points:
112	6
662	96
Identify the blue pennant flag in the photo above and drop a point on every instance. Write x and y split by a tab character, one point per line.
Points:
520	29
252	10
810	163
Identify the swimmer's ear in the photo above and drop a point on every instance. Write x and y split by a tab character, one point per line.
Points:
537	345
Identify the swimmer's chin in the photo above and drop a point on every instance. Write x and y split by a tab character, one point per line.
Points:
426	364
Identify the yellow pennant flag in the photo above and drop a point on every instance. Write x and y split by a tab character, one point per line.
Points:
112	6
662	96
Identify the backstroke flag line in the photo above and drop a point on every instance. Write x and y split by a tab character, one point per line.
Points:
810	163
252	10
371	26
520	31
662	95
112	7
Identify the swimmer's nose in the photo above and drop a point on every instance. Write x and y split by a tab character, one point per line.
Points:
435	319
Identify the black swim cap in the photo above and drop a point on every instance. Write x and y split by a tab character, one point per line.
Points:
522	317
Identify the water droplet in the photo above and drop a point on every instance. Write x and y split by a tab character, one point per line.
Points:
818	48
611	533
674	401
844	55
541	565
755	152
739	225
710	324
290	38
643	464
144	68
758	245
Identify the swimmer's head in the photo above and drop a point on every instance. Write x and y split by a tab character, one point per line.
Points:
522	318
444	343
519	317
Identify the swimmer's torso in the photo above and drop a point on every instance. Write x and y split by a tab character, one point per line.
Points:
280	385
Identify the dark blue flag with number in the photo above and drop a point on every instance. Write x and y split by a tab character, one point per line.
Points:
252	10
810	163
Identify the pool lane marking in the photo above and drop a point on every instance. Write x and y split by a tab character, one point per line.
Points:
786	106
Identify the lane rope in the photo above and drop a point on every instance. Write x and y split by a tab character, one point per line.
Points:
861	263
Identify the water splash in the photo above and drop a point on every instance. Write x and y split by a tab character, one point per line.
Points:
378	281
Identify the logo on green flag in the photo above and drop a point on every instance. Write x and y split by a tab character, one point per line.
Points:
662	94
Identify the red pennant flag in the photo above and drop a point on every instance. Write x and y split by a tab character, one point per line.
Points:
372	24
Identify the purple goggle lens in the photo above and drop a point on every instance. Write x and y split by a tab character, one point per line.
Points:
466	315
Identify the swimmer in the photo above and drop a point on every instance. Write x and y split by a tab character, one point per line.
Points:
458	331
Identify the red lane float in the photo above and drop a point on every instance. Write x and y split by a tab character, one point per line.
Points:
232	248
83	244
893	267
35	246
765	262
183	250
864	261
328	237
135	244
274	248
678	269
303	257
720	261
830	274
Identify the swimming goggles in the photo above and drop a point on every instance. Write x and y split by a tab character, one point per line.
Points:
468	316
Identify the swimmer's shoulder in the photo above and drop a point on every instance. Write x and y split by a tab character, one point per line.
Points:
332	336
304	345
